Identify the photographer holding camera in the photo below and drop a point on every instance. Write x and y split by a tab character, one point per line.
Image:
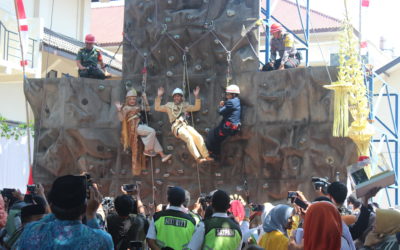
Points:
196	207
129	223
337	193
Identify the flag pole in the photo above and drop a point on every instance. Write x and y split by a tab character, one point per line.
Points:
23	64
359	29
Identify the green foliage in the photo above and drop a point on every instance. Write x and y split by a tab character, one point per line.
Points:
13	132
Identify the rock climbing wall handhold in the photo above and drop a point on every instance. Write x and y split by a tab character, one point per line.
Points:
230	13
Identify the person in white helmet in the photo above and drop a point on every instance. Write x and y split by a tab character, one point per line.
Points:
132	128
230	124
176	113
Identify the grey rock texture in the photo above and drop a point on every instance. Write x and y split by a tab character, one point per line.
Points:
286	136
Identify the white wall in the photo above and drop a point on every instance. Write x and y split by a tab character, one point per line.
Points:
12	104
70	17
14	163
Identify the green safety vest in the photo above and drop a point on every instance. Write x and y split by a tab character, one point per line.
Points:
174	228
221	234
195	216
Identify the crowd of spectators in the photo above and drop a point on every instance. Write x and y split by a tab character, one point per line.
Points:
73	215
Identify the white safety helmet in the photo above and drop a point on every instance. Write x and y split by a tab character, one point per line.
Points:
131	92
177	91
233	89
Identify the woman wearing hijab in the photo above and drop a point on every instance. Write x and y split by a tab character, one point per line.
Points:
322	227
383	235
278	220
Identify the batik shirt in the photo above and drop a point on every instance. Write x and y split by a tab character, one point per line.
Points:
52	233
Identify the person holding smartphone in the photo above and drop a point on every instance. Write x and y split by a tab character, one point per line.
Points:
129	223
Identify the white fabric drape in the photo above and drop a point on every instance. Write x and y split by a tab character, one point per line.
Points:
14	163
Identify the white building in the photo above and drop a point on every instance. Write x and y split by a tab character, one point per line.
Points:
56	29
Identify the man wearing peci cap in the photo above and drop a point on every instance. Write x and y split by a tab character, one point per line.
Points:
88	58
282	44
63	229
230	124
29	213
176	111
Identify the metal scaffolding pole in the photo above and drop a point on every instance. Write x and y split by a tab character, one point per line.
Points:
306	31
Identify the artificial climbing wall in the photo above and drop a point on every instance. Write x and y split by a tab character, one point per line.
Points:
287	115
286	136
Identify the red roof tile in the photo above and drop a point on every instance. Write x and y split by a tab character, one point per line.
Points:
286	12
107	25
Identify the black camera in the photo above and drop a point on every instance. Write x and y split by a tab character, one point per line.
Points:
322	183
291	195
300	203
135	245
205	199
89	180
129	187
257	207
31	188
7	193
108	205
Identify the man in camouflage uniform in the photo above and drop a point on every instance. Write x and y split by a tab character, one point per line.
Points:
87	60
282	44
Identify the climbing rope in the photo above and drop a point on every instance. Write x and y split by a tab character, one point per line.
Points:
229	70
322	54
187	82
186	48
253	49
143	106
185	73
108	65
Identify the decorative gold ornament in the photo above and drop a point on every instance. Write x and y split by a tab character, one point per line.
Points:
351	93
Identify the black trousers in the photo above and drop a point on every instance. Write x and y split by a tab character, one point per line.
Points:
215	138
92	72
289	64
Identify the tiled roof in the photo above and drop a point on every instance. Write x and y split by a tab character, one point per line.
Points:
286	12
72	46
107	25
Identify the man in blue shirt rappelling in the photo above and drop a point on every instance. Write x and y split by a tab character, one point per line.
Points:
230	124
